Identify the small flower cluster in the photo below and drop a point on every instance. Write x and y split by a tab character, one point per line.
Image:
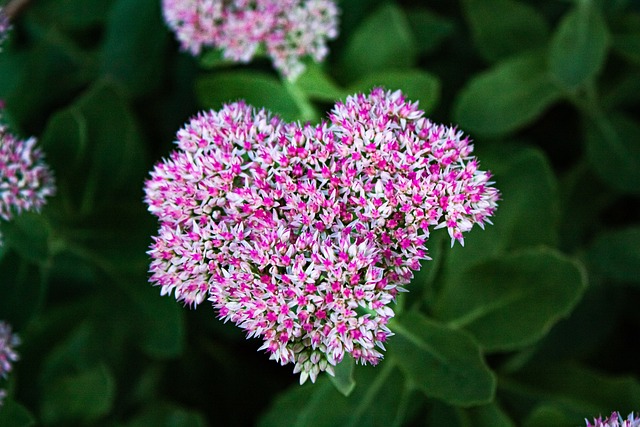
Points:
615	420
5	26
8	342
25	179
303	235
287	30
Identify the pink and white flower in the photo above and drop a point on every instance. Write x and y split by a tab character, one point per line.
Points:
303	235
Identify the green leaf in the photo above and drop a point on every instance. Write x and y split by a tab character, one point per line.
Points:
528	212
23	287
512	301
579	45
616	255
258	89
95	148
167	415
506	97
442	362
578	389
502	28
379	400
628	45
614	152
318	85
429	29
14	414
547	415
490	415
415	84
28	234
83	398
72	14
343	380
381	42
159	321
146	37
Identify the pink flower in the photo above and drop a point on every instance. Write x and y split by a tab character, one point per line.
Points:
304	235
287	30
25	179
8	355
5	26
615	420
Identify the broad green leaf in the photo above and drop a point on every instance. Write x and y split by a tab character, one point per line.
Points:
429	29
159	321
528	212
440	361
28	234
23	287
579	45
379	400
81	398
547	415
343	379
95	148
318	85
577	388
628	45
13	414
616	255
71	14
258	89
508	96
415	84
613	149
502	28
146	37
167	415
490	415
626	36
382	41
514	300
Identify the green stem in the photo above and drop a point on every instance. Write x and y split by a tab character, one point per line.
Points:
307	110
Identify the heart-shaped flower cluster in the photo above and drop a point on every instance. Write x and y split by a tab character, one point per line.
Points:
303	235
287	30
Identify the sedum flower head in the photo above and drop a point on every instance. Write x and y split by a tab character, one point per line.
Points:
8	355
287	30
303	235
5	26
25	179
615	420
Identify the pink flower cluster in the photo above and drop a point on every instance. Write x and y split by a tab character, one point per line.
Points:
303	235
287	30
615	420
25	179
5	26
8	355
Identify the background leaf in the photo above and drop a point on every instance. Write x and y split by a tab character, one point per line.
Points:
512	301
395	47
440	361
506	97
579	45
502	28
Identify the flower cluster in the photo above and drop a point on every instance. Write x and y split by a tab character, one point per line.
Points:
615	420
303	235
287	30
8	355
5	26
25	179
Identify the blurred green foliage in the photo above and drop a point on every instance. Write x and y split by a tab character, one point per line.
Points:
533	323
